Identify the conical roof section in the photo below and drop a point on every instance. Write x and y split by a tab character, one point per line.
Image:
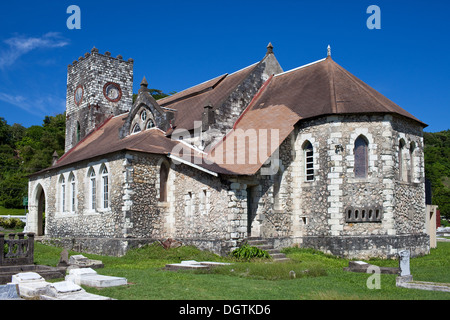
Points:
325	88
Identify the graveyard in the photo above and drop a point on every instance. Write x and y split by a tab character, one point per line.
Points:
308	275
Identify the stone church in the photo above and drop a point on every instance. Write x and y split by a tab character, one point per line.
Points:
310	157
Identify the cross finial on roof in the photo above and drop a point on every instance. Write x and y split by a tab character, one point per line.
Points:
329	51
269	48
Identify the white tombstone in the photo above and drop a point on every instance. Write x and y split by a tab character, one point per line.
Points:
404	263
31	284
90	278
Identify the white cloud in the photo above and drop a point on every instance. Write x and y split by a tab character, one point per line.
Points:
42	106
20	45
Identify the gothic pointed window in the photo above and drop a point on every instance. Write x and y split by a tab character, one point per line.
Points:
308	156
93	189
361	157
402	166
78	131
144	115
72	192
412	148
105	188
150	124
163	176
136	128
62	182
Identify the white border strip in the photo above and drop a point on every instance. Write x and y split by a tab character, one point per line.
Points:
192	165
298	68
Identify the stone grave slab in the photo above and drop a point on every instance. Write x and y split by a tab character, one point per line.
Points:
361	266
67	290
9	291
83	262
193	265
30	284
90	278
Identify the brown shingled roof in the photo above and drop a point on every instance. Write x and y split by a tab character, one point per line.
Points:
190	103
325	88
105	140
318	89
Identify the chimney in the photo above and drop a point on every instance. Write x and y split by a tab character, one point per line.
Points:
207	116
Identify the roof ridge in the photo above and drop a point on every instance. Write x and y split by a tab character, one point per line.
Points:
195	93
332	88
301	67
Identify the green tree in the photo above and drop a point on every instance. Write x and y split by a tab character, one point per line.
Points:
437	168
24	151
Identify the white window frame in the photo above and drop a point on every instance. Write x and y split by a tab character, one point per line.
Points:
92	190
73	193
308	160
105	188
63	193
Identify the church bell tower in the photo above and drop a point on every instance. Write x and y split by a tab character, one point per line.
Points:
98	86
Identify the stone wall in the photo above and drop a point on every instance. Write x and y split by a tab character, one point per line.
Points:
83	221
144	214
91	73
324	203
219	212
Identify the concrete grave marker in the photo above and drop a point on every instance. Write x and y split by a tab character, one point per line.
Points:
90	278
31	284
9	291
404	263
64	259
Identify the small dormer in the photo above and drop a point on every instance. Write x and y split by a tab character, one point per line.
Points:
146	114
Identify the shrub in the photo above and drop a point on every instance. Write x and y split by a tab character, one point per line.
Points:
11	223
247	252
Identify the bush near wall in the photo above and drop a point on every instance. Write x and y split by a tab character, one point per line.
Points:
11	223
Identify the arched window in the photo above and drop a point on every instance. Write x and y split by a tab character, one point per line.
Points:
150	124
105	188
144	115
72	192
92	189
62	182
308	156
78	131
136	128
402	167
163	176
412	148
361	157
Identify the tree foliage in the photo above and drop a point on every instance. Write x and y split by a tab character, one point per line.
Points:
24	151
437	168
155	93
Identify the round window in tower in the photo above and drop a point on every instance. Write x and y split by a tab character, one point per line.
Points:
144	115
79	95
112	92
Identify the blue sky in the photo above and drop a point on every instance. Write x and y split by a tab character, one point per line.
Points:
177	44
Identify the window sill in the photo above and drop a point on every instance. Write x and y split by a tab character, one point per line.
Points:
65	214
407	183
163	204
107	210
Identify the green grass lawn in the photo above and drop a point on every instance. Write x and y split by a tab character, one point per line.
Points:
13	212
318	276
